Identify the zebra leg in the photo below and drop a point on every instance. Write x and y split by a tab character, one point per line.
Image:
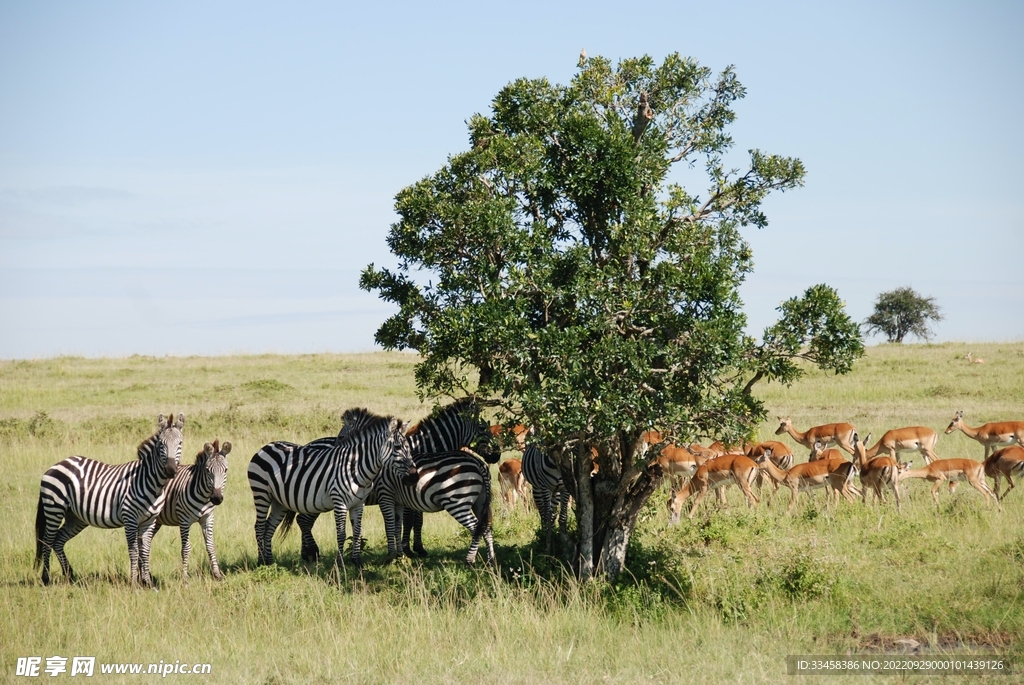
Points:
144	537
412	522
131	531
310	550
270	525
72	527
340	514
262	511
542	498
186	548
206	523
356	513
463	513
392	513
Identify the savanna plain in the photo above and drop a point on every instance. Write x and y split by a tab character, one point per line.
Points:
722	598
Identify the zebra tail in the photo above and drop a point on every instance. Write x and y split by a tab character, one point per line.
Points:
40	534
286	524
482	508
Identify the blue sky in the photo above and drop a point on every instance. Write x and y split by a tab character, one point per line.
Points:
209	178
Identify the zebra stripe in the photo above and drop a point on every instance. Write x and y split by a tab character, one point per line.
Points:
84	492
191	496
449	428
456	482
549	490
291	479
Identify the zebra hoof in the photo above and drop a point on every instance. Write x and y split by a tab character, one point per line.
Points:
311	556
420	552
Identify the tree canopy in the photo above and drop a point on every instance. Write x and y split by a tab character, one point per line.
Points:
559	267
902	312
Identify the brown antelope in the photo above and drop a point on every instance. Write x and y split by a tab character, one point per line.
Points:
778	452
878	471
519	434
971	359
835	473
953	471
679	462
721	449
1005	463
512	482
818	452
649	439
910	439
831	434
991	435
711	475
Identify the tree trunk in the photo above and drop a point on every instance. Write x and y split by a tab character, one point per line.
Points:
584	514
621	520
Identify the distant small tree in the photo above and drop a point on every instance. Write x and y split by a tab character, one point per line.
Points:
903	312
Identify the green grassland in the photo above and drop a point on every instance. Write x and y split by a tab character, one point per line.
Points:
722	598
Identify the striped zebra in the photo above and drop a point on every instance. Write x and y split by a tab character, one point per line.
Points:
191	496
449	428
456	482
339	479
84	492
549	490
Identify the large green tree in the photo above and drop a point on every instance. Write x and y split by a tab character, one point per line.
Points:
557	268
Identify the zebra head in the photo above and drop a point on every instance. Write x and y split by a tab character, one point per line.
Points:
166	449
214	471
401	452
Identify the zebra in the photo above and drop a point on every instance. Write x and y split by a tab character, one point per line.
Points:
454	481
84	492
549	489
191	496
449	428
292	479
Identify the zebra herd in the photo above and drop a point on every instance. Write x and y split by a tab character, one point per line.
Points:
374	460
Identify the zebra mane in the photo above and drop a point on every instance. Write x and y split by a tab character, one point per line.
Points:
358	420
461	406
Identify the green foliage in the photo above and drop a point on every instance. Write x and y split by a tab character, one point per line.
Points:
594	296
902	312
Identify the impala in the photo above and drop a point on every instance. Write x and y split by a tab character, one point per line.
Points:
778	452
679	461
721	449
1005	463
954	471
512	482
818	452
836	473
831	434
991	435
519	434
711	475
910	439
878	471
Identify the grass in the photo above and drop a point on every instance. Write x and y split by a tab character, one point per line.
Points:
722	598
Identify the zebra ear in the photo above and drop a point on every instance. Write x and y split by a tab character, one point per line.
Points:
225	448
180	423
208	449
161	422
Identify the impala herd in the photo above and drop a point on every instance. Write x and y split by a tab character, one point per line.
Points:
696	469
